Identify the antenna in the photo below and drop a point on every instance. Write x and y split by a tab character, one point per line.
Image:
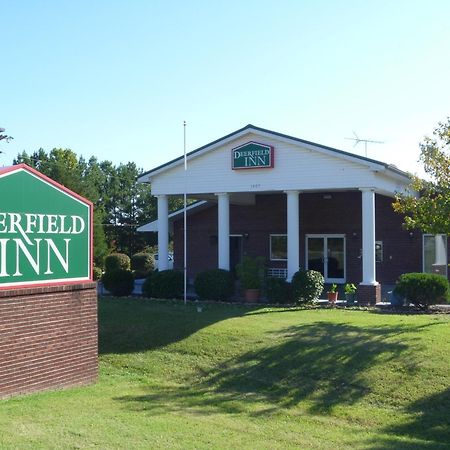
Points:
358	140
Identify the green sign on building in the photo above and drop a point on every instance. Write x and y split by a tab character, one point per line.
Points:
252	155
45	231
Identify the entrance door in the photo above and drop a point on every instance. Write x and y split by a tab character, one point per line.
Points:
236	251
325	253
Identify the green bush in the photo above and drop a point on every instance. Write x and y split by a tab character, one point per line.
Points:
147	285
250	272
215	284
119	282
423	289
167	284
278	290
307	285
141	264
97	273
116	261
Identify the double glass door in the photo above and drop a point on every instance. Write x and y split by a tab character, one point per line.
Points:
325	253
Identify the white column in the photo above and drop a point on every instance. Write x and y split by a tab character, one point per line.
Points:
224	230
293	234
368	237
163	232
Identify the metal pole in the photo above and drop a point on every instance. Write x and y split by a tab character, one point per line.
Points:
184	214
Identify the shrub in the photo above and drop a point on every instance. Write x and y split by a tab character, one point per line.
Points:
167	284
422	289
250	272
307	285
141	264
147	286
278	290
116	261
215	284
97	273
119	282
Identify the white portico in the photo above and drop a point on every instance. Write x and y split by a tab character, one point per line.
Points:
236	170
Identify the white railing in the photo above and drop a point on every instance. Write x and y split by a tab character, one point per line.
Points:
277	272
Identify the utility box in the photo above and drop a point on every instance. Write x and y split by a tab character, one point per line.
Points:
48	301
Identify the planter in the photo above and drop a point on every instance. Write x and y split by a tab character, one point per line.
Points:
350	298
332	297
251	295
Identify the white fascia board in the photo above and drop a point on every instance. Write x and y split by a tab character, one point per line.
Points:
315	148
179	161
153	226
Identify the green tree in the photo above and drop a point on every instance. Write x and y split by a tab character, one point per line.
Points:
84	178
430	210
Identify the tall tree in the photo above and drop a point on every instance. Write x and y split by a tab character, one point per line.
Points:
430	210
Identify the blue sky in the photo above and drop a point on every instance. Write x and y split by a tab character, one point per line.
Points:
116	79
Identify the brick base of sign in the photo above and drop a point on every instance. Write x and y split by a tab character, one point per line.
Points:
369	295
48	338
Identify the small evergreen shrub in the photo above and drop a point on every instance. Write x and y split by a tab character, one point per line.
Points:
422	289
116	261
141	264
307	285
97	273
147	286
119	282
251	272
215	284
167	284
278	290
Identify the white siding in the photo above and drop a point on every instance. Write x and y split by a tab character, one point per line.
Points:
296	167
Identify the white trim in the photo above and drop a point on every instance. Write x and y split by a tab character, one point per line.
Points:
56	188
45	282
89	237
270	246
325	237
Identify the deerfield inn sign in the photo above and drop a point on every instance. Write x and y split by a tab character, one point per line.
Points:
252	155
45	231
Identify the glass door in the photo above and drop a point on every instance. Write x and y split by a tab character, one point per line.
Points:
326	254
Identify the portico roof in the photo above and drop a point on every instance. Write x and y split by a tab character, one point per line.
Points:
146	176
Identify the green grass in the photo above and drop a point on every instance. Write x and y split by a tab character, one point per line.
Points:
232	377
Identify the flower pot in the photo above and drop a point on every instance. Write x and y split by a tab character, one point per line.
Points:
332	297
350	298
251	295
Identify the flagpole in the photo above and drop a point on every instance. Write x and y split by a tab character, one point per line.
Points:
184	214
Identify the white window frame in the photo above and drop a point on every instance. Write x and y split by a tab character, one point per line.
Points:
423	251
270	246
325	251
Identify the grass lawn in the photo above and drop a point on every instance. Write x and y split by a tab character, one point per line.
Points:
233	377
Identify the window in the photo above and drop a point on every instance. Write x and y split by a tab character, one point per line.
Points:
278	247
435	253
379	251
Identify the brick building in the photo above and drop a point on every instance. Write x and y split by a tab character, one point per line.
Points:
294	202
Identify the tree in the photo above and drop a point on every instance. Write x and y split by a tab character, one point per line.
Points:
430	210
63	166
4	136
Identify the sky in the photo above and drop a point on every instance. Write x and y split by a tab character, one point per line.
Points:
117	79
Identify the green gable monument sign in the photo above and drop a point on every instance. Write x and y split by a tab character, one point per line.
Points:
252	155
45	231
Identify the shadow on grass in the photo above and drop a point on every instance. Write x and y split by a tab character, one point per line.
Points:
428	426
134	325
321	364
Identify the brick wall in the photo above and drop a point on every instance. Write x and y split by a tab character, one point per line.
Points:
48	338
340	214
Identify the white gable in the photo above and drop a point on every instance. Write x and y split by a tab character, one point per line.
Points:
297	165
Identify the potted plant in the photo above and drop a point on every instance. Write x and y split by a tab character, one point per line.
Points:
350	293
250	272
332	294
